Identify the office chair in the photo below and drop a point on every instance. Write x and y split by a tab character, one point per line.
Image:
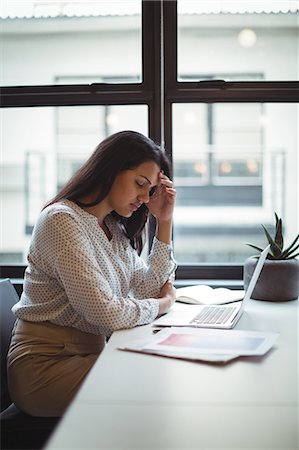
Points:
18	429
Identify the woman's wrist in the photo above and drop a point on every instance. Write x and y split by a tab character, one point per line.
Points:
167	299
164	231
164	305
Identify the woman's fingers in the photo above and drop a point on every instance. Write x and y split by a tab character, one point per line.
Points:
165	181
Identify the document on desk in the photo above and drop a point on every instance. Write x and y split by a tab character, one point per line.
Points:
205	344
202	294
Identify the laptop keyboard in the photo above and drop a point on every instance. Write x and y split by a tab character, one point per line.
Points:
213	316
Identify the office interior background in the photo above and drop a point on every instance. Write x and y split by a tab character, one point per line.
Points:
74	72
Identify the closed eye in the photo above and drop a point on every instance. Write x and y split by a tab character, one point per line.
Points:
143	183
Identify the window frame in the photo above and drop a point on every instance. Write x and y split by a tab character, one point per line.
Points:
159	90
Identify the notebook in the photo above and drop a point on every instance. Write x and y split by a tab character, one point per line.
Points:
213	316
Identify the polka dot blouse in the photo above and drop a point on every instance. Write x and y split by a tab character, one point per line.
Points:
77	277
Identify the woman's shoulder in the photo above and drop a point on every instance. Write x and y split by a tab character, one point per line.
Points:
62	212
64	221
59	209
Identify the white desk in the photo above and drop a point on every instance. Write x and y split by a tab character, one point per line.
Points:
136	401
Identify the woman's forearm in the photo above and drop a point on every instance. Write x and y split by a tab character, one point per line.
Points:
164	231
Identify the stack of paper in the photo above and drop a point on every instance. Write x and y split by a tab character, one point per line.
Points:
204	344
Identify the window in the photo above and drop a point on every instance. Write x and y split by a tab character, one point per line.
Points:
79	65
50	144
232	131
217	87
230	183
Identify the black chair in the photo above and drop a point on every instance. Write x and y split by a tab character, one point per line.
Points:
19	431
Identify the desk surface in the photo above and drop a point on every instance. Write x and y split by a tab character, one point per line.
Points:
136	401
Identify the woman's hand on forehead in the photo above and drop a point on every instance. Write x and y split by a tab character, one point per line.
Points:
162	200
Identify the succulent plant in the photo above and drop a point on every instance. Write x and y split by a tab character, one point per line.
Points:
277	250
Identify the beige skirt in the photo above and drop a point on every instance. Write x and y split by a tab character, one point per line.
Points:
46	365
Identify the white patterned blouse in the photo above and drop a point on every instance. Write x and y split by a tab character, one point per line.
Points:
79	278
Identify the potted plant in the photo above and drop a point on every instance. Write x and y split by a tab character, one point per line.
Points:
279	279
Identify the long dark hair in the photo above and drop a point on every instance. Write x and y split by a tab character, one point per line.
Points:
120	151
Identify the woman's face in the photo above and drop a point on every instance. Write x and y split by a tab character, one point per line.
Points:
131	188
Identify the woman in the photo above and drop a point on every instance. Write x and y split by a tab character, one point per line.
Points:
85	278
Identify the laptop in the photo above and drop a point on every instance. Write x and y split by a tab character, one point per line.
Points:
213	316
